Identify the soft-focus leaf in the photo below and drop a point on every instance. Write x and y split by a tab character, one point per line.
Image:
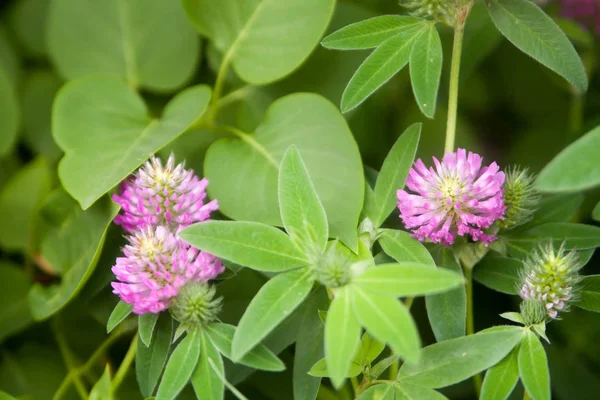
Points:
403	248
555	208
378	392
500	273
426	69
10	65
207	381
14	309
28	18
119	313
574	237
180	367
589	293
150	360
146	324
500	380
11	115
596	212
533	367
101	390
406	391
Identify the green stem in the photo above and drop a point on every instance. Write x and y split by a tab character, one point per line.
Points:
69	360
459	31
124	367
477	381
575	117
219	84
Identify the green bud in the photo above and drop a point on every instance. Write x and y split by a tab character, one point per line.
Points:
520	198
334	268
440	10
195	305
533	312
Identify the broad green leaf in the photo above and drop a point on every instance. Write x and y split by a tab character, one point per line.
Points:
447	312
27	19
554	208
426	69
20	199
264	39
146	324
118	314
71	247
302	213
533	367
272	304
408	279
574	236
379	392
150	360
260	357
401	247
406	391
370	32
452	361
383	63
11	115
500	380
148	43
500	273
342	336
596	212
257	246
14	310
120	133
388	320
534	33
589	293
318	130
207	381
394	172
180	367
102	390
319	369
575	168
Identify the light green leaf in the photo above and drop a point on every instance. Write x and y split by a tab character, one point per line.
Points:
368	350
119	135
589	293
72	248
146	324
426	69
326	145
302	213
207	381
382	366
149	43
385	62
394	172
379	392
514	317
500	380
101	390
370	32
11	114
342	336
452	361
319	369
533	367
388	320
500	273
533	32
265	39
408	279
257	246
180	367
14	309
260	357
400	246
272	304
406	391
118	314
575	168
150	360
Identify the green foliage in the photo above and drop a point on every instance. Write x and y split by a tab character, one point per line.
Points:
589	292
500	273
118	314
500	380
150	360
533	367
426	69
401	247
206	378
180	367
11	114
146	325
14	310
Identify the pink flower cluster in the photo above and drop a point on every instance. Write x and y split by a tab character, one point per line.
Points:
157	202
585	11
458	197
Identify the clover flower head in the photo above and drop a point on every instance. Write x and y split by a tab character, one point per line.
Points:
156	264
587	12
163	195
520	198
458	197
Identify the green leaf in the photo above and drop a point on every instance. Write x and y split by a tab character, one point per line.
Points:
146	324
394	172
72	248
20	200
150	360
149	43
403	248
500	380
447	312
533	32
514	317
11	115
370	32
119	135
589	293
180	367
272	304
388	320
385	62
574	237
383	391
319	369
265	40
452	361
302	213
368	350
14	309
533	367
408	279
207	382
342	336
11	63
555	208
257	246
426	69
596	212
382	366
500	273
260	357
319	131
406	391
575	168
28	21
118	314
102	390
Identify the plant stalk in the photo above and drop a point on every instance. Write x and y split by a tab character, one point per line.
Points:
125	365
477	381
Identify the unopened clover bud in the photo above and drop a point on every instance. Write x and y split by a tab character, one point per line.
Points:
334	268
533	312
520	198
440	10
196	306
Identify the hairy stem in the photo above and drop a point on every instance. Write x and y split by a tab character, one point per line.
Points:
125	365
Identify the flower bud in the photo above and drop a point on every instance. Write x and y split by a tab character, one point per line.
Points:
533	312
440	10
520	198
195	305
334	267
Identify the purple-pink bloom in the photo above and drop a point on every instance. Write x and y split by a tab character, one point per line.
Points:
156	264
585	11
160	195
458	197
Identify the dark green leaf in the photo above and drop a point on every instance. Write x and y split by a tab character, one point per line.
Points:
533	367
118	314
14	309
11	115
596	212
500	273
426	69
150	360
574	237
206	379
180	367
555	208
500	380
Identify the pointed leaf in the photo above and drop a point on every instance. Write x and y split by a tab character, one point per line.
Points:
206	379
180	367
500	380
500	273
426	69
533	367
118	314
150	360
589	293
319	369
101	389
379	392
554	208
406	391
514	317
146	324
403	248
